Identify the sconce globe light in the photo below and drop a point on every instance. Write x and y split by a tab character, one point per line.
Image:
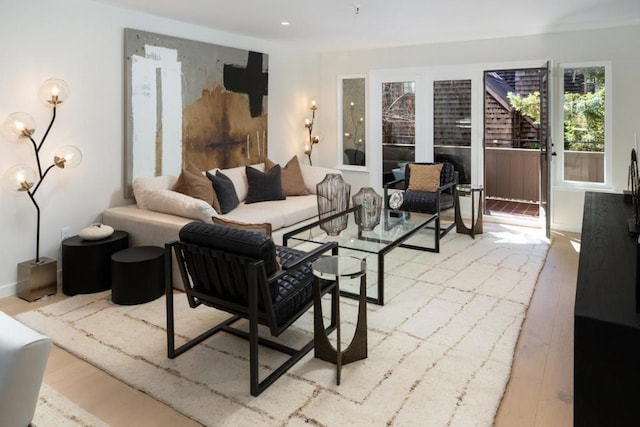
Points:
19	178
67	156
19	127
53	92
308	124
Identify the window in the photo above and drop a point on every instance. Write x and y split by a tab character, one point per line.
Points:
398	128
352	119
585	118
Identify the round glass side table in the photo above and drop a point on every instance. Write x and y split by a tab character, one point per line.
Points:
336	268
475	191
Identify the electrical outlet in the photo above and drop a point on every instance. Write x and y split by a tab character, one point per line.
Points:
65	232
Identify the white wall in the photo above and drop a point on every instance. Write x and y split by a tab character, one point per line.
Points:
620	46
81	42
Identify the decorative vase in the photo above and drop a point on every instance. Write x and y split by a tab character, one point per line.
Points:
333	198
370	202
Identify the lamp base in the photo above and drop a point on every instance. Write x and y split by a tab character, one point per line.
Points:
36	280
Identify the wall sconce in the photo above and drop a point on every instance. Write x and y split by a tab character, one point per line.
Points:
313	139
37	277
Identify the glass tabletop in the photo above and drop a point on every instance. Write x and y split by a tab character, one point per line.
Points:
332	267
394	227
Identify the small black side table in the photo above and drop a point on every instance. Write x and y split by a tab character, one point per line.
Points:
476	217
86	264
137	275
333	268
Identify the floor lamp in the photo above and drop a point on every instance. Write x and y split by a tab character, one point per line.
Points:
37	277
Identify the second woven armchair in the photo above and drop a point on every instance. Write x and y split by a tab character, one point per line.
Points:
427	188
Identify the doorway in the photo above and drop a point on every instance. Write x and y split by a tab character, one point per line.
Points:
515	143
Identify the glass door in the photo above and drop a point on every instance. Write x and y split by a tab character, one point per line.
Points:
452	125
517	144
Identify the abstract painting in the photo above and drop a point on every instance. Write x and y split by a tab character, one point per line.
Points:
189	101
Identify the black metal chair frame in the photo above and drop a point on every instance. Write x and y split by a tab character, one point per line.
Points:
442	231
259	311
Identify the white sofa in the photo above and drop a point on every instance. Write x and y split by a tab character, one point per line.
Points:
160	213
23	359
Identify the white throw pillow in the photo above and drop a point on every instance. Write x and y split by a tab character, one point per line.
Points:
179	204
164	182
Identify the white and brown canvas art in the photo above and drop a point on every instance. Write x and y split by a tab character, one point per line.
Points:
190	101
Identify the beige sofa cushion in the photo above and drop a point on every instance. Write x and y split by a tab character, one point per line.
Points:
313	175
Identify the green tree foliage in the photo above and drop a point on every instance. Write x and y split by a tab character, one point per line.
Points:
527	105
584	121
583	115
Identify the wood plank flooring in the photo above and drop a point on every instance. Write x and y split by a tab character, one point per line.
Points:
540	392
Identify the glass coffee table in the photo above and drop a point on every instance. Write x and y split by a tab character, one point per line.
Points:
395	228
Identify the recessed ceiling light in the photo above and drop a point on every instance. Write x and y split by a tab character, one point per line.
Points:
284	23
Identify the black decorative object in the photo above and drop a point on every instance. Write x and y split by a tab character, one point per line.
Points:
368	216
333	199
633	184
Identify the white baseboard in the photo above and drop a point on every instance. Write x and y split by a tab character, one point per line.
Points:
8	290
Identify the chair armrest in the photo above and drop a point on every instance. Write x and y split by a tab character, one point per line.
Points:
309	256
446	186
393	183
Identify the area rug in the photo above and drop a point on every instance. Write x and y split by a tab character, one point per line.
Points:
439	354
54	409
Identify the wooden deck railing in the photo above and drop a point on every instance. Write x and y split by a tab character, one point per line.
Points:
512	173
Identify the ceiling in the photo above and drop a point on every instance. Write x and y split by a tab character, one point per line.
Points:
344	24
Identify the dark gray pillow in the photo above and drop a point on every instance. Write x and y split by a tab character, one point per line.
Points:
264	186
225	190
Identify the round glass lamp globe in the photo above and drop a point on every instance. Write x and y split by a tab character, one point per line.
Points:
67	156
53	92
19	178
18	127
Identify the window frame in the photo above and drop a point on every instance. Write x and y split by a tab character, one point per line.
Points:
608	139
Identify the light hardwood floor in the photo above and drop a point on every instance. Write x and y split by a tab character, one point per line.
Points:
540	392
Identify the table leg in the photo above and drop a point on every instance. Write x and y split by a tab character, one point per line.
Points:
357	348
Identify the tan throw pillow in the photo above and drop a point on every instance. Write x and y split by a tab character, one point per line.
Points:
424	177
264	228
192	183
291	177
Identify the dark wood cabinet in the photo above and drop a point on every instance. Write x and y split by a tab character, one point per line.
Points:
607	326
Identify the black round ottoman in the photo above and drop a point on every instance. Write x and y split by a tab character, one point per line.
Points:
137	275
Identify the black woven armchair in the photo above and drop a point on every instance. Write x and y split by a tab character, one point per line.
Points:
237	271
436	201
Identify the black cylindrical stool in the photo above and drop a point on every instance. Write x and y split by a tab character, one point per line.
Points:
137	275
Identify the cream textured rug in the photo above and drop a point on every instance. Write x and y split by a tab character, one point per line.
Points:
440	349
54	409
